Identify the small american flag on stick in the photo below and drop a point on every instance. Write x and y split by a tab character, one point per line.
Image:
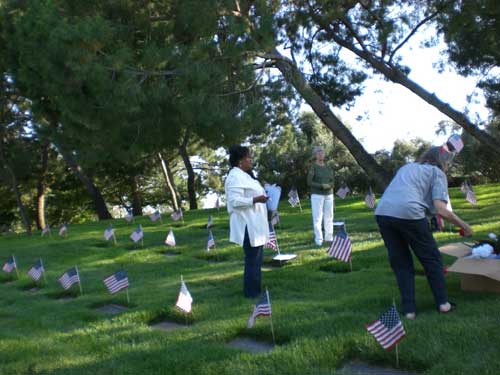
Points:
388	329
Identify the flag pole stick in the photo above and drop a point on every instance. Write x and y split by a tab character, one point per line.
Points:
43	273
128	298
350	263
79	280
15	263
271	316
300	206
397	350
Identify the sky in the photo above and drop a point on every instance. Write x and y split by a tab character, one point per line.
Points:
390	112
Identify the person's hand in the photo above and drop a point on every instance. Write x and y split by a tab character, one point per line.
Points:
325	186
466	230
260	199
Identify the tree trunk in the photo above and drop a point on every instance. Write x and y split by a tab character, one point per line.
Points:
397	76
41	187
99	204
15	188
167	173
136	196
293	76
193	205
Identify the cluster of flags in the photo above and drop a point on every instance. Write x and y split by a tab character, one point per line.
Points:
63	230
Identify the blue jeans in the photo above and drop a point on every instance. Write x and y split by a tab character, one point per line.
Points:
399	236
253	261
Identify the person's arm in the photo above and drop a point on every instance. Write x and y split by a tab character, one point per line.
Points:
450	216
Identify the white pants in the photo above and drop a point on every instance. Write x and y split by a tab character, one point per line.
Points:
322	211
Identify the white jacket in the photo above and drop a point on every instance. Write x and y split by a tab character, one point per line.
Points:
240	190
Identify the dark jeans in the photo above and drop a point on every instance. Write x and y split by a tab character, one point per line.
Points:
399	235
252	275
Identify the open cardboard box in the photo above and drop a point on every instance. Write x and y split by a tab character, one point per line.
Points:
479	275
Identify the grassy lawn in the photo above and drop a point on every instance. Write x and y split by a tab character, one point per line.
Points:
319	309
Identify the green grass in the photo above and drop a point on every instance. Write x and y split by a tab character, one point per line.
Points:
319	310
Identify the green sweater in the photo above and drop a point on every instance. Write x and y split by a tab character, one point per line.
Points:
319	175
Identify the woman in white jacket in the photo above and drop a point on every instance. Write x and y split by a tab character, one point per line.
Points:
247	210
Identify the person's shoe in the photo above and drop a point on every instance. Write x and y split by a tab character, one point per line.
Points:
447	307
410	316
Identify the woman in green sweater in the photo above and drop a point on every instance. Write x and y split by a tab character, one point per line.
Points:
320	181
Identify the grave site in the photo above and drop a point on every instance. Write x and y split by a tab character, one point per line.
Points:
185	312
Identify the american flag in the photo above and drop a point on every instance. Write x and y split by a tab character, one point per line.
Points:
470	196
129	217
10	265
116	282
370	199
388	329
184	300
343	191
293	197
464	187
137	234
109	232
275	218
69	278
272	243
36	271
455	143
155	216
211	240
170	240
177	215
63	229
341	247
262	308
46	230
210	222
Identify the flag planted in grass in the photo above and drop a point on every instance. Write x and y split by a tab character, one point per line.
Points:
293	197
177	215
388	329
210	241
184	300
69	278
46	230
272	243
63	230
129	217
36	271
116	282
262	308
210	222
137	234
275	218
170	240
109	232
155	216
470	196
370	199
341	247
10	265
343	191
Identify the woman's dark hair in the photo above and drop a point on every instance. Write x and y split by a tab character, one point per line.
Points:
236	153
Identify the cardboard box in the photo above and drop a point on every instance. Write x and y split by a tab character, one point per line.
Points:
478	275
